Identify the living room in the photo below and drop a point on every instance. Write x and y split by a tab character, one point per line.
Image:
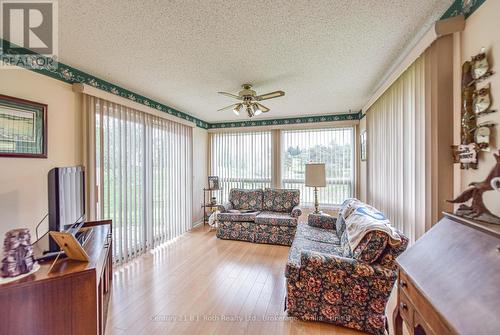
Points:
281	167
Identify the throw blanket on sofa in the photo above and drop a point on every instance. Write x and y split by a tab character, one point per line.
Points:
365	219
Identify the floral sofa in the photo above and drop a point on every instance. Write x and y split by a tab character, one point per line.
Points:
327	281
261	216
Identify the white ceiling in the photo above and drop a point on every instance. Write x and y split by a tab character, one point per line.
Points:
327	55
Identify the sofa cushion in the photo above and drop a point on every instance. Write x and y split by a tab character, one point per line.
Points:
281	200
317	234
321	220
237	217
275	219
246	199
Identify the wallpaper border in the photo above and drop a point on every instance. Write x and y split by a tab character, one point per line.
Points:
286	121
465	7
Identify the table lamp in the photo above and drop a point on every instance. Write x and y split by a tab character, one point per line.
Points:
315	177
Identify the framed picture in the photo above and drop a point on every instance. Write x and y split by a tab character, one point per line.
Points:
213	182
23	128
362	143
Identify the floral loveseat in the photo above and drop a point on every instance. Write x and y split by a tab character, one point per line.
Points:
327	281
261	216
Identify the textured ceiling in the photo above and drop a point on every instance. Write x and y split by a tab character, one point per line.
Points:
327	55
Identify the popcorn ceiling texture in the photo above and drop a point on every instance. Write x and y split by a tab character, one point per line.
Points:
327	55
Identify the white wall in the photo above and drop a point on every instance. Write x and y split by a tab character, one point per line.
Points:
23	181
200	171
483	30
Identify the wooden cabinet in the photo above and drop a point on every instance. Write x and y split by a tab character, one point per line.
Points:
448	281
71	299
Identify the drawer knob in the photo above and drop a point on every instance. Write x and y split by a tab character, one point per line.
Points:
403	283
403	305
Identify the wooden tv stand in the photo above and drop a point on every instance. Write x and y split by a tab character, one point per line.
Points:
71	299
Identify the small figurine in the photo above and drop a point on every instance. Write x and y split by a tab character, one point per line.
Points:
18	253
478	210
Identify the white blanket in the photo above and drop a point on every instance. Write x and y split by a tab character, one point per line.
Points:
365	219
212	219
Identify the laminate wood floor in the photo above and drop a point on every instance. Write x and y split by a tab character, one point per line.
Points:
199	284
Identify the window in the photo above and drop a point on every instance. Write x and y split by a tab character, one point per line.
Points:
332	146
241	160
143	174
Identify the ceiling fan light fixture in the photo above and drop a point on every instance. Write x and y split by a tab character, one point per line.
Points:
249	101
236	109
256	110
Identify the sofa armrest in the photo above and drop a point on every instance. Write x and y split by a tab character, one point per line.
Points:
225	207
296	212
329	285
324	221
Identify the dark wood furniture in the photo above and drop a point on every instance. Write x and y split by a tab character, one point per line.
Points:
71	299
449	281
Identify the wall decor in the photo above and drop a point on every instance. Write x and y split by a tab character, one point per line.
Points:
18	253
213	183
362	145
23	128
476	102
481	100
477	210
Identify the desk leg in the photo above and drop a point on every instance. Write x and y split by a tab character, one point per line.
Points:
398	322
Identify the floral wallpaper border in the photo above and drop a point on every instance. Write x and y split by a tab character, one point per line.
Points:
465	7
287	121
71	75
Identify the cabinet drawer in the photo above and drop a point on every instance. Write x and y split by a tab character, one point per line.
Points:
405	307
406	286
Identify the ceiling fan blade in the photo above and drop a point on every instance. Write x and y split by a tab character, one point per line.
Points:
263	108
270	95
227	107
231	95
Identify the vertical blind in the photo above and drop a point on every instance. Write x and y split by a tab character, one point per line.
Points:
332	146
241	160
143	173
396	144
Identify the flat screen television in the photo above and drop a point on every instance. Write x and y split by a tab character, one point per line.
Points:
66	199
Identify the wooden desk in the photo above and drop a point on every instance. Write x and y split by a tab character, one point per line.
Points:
449	281
72	299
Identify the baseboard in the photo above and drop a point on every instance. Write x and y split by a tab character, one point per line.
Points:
196	224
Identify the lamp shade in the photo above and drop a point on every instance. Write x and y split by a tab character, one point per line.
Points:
315	174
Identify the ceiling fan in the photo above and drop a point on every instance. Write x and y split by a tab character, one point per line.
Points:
250	101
